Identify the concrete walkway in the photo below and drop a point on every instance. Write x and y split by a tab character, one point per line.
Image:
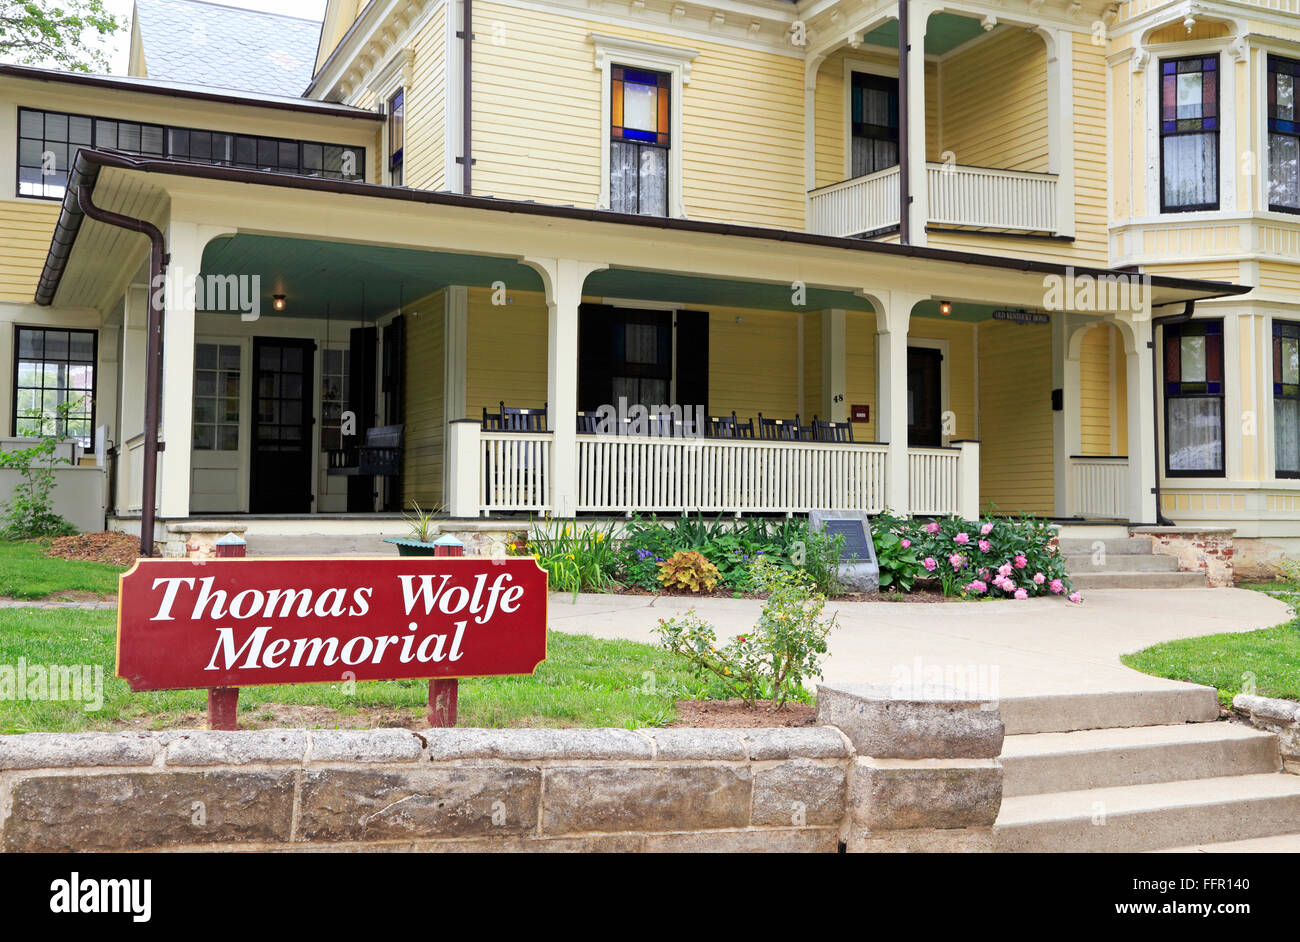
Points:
1033	648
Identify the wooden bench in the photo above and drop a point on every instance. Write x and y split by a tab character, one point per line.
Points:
381	455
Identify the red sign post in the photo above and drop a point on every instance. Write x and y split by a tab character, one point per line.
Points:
227	623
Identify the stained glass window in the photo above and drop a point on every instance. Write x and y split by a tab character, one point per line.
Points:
1286	399
639	141
1194	398
1189	133
1283	136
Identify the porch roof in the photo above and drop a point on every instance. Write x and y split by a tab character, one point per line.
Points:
147	187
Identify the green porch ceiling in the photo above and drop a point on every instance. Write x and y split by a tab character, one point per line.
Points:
944	33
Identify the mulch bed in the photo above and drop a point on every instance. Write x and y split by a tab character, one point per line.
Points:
119	549
734	713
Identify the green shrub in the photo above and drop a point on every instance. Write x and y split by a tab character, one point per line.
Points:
772	662
30	512
575	558
689	571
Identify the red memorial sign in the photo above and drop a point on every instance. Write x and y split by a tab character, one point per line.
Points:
245	622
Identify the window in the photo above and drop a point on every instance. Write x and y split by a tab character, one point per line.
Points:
48	142
1283	136
216	397
1286	399
1194	399
1189	133
333	397
55	368
396	136
873	123
639	141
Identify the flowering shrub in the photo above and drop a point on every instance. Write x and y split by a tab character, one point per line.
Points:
575	558
994	558
688	570
772	661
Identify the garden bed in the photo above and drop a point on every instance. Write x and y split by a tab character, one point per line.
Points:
731	714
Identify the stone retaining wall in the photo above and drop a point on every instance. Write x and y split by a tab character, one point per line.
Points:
1198	549
931	782
1281	717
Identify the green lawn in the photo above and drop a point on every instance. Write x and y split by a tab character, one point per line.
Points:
584	682
27	573
1267	661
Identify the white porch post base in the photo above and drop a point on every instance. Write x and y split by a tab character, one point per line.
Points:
464	468
968	484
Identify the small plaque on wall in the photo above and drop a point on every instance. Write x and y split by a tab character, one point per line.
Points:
860	413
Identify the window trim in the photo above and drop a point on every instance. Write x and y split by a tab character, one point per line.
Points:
396	158
299	144
94	376
654	57
1221	396
1218	132
1278	473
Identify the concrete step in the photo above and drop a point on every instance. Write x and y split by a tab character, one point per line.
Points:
1150	817
1280	844
1038	763
1059	713
1127	546
1092	531
1138	580
1135	562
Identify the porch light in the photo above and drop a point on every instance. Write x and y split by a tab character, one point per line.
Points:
945	308
277	302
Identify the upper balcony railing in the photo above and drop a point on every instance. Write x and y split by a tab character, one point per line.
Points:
971	197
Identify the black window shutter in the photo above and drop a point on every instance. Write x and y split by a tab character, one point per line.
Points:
693	359
361	401
595	356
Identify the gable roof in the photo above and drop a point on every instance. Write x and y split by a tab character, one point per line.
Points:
202	43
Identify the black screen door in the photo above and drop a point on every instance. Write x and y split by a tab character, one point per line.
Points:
282	453
924	397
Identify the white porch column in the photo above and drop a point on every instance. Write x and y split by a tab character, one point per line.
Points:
1067	424
834	338
891	395
1060	123
563	278
185	244
1139	356
918	16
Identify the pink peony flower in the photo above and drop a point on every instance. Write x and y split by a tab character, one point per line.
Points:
1039	578
929	564
1057	586
985	546
961	539
906	543
932	527
984	574
1021	561
976	586
986	529
1004	569
1075	597
1021	594
956	561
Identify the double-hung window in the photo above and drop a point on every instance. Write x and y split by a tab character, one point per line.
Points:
1283	136
874	123
639	141
396	137
216	397
1194	399
54	383
1189	134
1286	399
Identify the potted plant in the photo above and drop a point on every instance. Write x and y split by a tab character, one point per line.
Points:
422	538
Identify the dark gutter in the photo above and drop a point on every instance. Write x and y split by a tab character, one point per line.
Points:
466	37
65	231
326	110
904	111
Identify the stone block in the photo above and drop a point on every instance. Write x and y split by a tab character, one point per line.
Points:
912	723
799	792
365	745
209	747
921	841
536	744
899	794
77	750
645	798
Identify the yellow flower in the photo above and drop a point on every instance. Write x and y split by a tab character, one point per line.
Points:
569	556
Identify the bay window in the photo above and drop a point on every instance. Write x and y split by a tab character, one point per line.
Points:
1283	136
1189	134
1193	370
1286	399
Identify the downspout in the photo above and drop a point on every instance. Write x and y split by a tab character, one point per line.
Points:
158	261
466	37
1186	315
904	93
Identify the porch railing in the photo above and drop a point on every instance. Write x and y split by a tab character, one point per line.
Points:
495	471
132	473
980	197
619	474
852	207
1099	487
988	198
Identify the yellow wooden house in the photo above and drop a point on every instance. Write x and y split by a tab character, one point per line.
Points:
1032	256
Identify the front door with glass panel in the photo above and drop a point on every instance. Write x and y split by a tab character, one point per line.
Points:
924	397
282	426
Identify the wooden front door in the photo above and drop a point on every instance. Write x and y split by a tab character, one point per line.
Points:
924	397
282	426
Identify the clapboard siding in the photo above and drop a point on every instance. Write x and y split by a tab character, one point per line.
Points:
422	462
1016	450
27	226
1095	391
426	107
